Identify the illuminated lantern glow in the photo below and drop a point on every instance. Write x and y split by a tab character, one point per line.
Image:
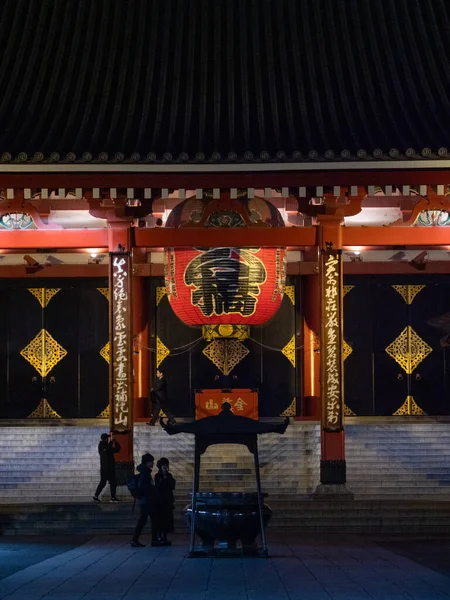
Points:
233	286
227	286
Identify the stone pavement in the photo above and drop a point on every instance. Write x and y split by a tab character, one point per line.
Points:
309	567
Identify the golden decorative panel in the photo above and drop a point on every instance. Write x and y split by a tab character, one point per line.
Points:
348	411
44	295
408	292
105	414
346	289
160	293
44	411
291	409
346	350
408	349
238	332
289	350
162	414
409	407
289	290
105	292
43	352
105	352
161	351
225	354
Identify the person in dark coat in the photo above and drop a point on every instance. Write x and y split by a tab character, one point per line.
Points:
107	447
159	399
165	501
145	501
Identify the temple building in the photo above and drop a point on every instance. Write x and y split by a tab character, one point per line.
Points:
253	197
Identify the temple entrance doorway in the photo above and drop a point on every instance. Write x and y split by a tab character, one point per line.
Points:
54	348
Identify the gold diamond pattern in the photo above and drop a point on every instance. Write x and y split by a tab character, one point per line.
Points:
160	293
408	349
43	352
409	407
105	414
289	290
105	352
225	354
161	351
346	350
346	289
408	292
105	292
44	411
291	409
44	295
289	350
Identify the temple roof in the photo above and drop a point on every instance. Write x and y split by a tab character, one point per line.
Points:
224	80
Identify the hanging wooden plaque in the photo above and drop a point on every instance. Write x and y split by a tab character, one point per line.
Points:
121	376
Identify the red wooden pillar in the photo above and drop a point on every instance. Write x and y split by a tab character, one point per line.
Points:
332	463
141	331
121	344
311	346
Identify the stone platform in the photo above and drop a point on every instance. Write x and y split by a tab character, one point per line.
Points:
300	515
299	568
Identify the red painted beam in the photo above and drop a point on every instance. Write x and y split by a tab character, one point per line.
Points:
216	238
55	238
225	180
418	237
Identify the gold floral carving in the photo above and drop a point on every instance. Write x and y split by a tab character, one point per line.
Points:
291	410
105	292
44	295
408	292
44	411
289	350
161	351
105	352
289	290
346	289
348	411
160	293
105	414
43	352
346	350
409	407
225	354
408	349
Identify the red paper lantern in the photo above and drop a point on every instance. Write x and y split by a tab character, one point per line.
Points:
235	286
228	286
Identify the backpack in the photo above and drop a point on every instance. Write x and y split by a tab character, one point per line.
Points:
133	486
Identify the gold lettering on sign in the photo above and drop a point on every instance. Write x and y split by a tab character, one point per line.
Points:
121	342
331	339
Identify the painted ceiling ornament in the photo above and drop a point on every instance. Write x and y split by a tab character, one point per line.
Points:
16	220
433	218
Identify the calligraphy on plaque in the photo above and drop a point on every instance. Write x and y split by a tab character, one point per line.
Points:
120	335
331	343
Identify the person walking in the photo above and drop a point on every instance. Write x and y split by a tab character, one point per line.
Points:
165	501
107	447
159	399
145	498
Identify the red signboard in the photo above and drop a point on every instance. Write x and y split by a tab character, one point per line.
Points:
244	403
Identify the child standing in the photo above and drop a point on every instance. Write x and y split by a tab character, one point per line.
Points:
164	484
